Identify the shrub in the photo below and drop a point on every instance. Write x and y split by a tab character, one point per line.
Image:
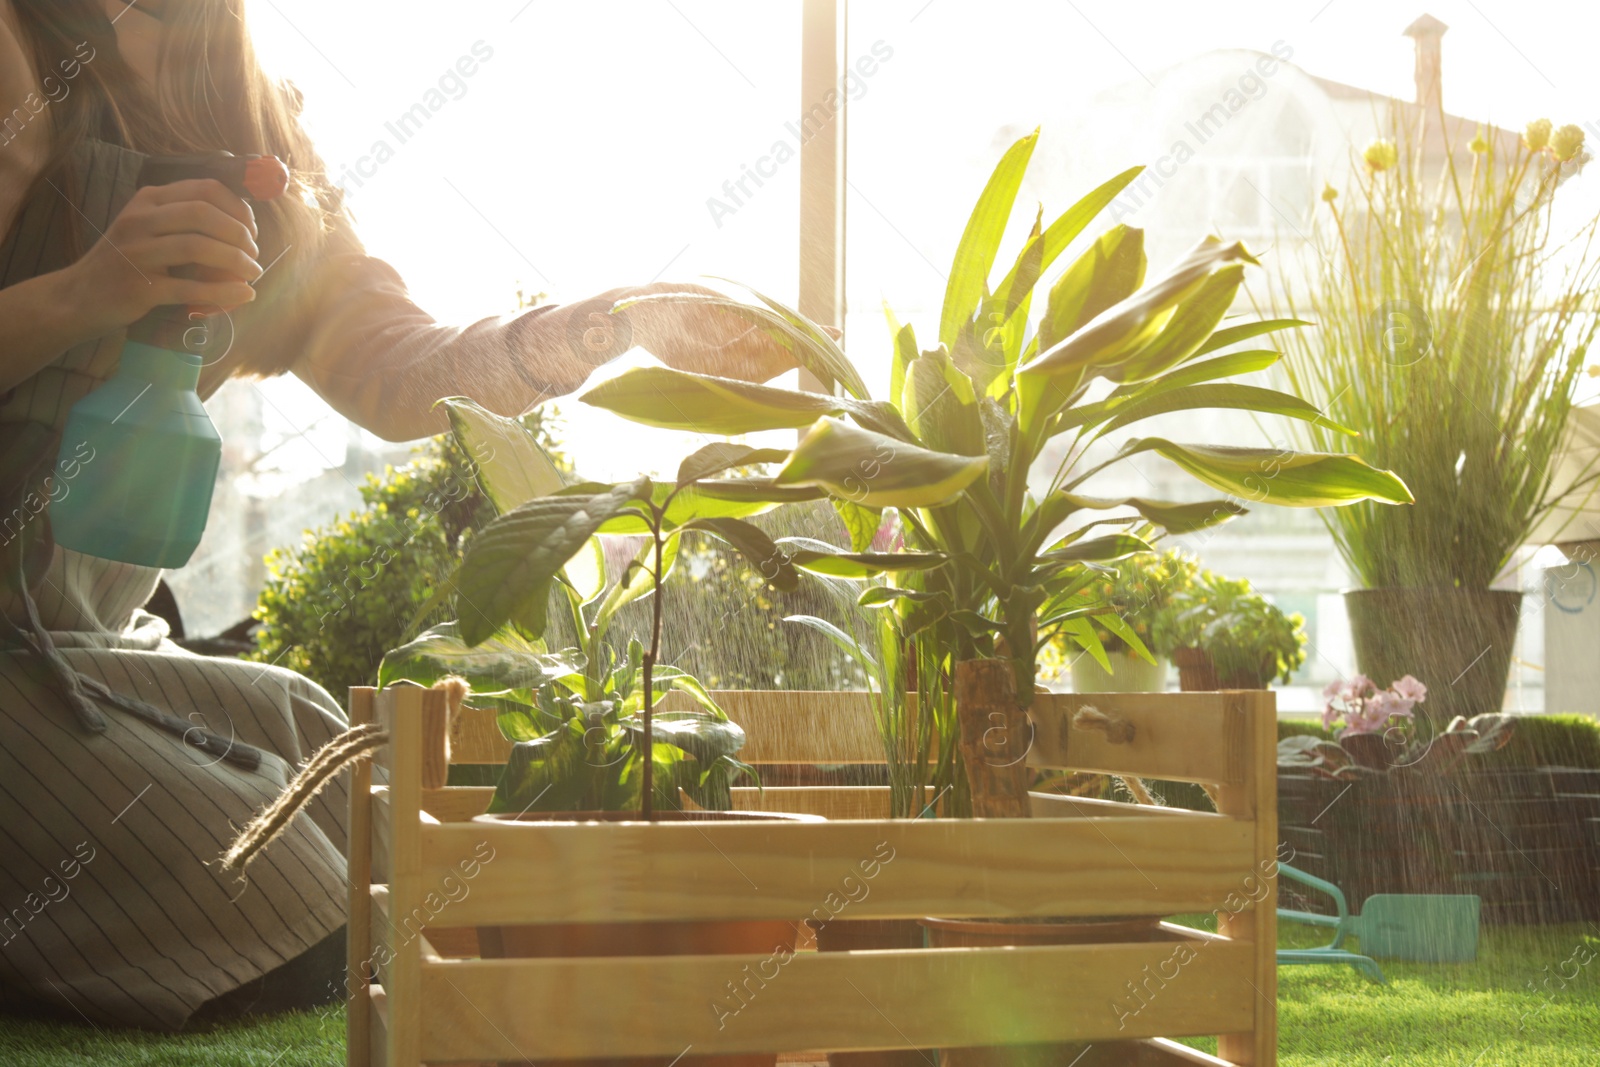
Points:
333	604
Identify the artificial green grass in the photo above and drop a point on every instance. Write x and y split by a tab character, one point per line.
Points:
1490	1013
298	1039
1493	1012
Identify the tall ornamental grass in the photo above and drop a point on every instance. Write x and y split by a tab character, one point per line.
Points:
1452	324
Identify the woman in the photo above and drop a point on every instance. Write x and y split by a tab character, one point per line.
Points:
125	764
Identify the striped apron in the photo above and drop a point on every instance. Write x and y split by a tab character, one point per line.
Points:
111	903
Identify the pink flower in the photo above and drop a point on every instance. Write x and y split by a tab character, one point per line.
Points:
1413	690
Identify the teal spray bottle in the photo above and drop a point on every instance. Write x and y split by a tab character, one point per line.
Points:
145	495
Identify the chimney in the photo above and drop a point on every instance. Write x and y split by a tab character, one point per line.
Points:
1426	32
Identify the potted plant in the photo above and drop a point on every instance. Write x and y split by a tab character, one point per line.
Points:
589	742
1368	717
1454	325
955	443
1141	592
1225	635
1001	561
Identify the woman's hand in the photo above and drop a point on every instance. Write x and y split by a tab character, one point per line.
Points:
125	274
693	337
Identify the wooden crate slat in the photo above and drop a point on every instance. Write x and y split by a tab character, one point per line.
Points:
358	942
463	803
377	1015
1060	806
1185	737
1160	1052
929	998
830	801
1254	801
379	939
1192	737
1156	865
458	803
378	838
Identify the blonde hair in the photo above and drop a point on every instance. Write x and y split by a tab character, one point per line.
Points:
210	94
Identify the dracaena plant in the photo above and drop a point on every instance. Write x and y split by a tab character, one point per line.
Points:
959	445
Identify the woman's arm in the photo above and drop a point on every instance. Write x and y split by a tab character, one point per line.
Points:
378	359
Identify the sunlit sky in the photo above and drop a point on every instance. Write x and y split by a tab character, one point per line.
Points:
581	151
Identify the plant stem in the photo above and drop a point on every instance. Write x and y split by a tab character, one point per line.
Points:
647	800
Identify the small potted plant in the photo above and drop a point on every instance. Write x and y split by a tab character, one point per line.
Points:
1370	719
1140	592
1225	635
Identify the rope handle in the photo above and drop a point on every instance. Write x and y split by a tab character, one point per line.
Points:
355	744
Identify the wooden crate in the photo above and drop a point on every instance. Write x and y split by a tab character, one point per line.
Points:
423	877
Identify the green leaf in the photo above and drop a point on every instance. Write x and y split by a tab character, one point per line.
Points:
1066	228
755	545
1107	549
714	498
747	491
1174	518
518	723
1084	634
637	581
585	572
1190	374
813	349
969	274
880	595
1191	324
1025	273
1117	333
875	470
720	456
1234	334
1117	625
704	736
859	522
941	408
504	662
1221	395
702	403
508	567
819	557
1109	271
905	352
1207	370
847	644
1287	478
822	356
511	467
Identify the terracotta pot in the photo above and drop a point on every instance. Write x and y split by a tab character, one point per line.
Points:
857	935
978	933
1457	642
700	938
1129	674
1198	674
